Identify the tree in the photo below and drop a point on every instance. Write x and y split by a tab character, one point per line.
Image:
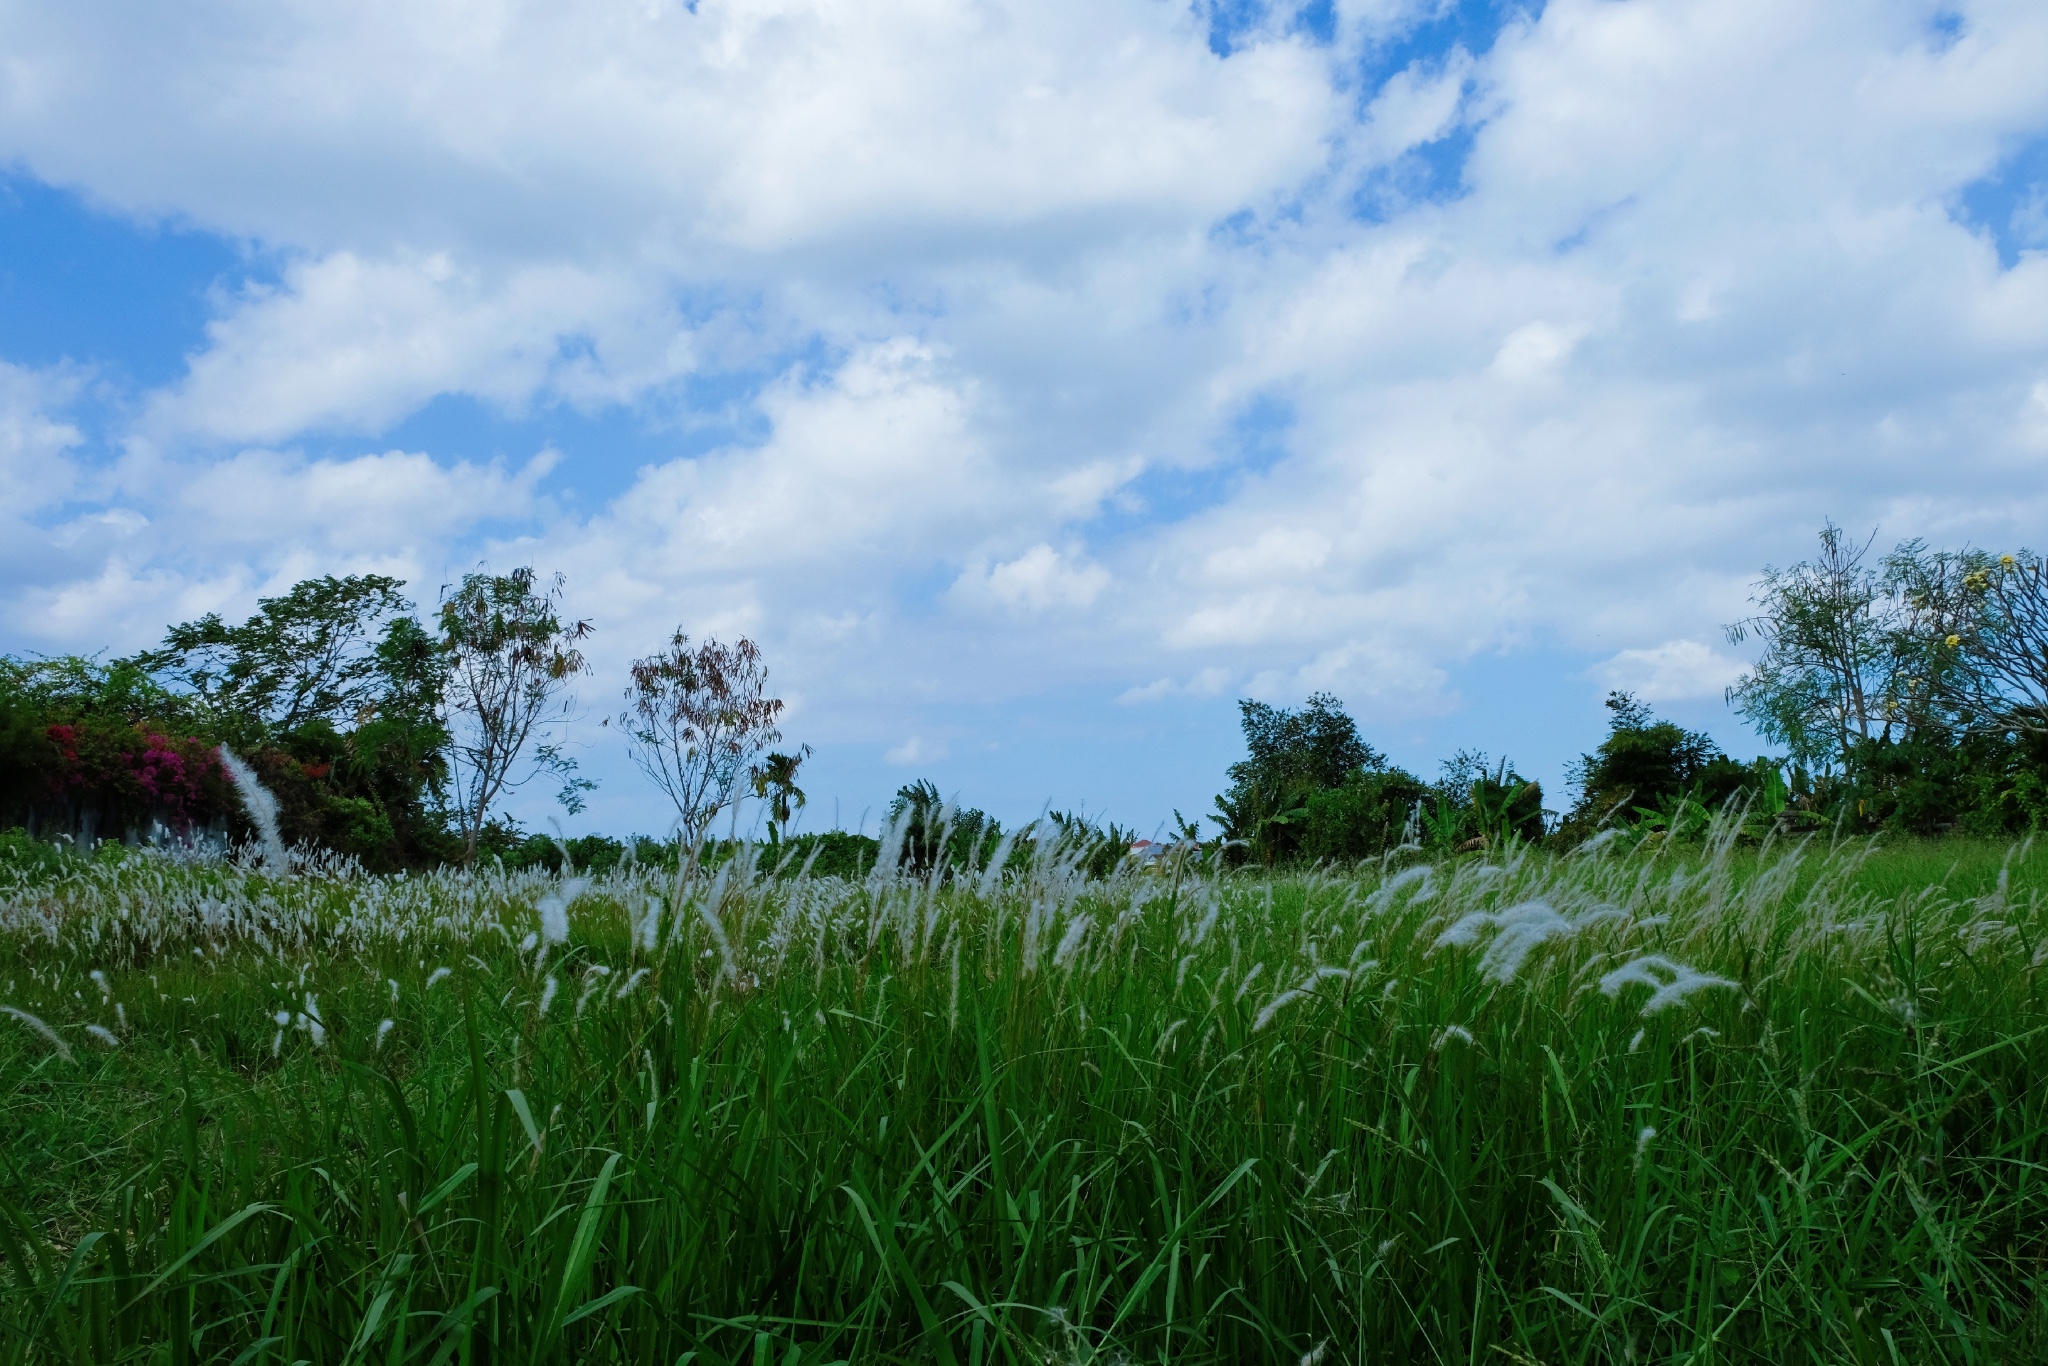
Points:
696	718
2003	642
1290	756
510	655
1830	663
1646	763
775	783
937	829
304	656
399	747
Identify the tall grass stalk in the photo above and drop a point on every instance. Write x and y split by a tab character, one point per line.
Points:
1681	1103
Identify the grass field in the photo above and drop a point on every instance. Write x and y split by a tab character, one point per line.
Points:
1705	1103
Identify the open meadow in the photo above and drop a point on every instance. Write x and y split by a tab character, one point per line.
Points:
1684	1102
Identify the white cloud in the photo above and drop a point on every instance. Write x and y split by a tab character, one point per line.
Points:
915	750
1040	580
1676	671
367	505
1205	683
510	201
185	538
350	344
35	465
1063	317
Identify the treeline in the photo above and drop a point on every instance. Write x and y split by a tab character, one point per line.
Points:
380	736
1311	790
1909	693
395	740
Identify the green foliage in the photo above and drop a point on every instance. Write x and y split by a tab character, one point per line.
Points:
1309	786
99	750
1368	813
935	830
1653	770
24	856
1311	790
305	656
774	780
1478	804
332	699
1979	782
1233	1120
829	853
1930	644
1832	671
1096	847
509	656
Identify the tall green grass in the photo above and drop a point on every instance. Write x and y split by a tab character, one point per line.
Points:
1682	1104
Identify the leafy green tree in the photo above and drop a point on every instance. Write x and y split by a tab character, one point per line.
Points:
1997	647
1280	803
1476	803
1851	652
936	829
774	781
510	655
1362	817
309	654
103	749
1646	765
398	751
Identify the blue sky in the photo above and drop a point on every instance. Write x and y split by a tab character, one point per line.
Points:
1031	381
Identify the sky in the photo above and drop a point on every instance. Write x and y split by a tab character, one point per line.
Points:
1031	381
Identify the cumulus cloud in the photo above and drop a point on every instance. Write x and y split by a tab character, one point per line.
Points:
1205	683
1676	671
349	344
1038	581
188	538
1066	353
366	505
915	750
36	469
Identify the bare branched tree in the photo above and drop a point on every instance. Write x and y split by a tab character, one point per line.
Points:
697	717
510	658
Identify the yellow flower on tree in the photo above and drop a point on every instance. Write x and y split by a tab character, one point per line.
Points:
1953	641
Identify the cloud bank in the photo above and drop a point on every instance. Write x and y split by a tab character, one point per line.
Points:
1092	351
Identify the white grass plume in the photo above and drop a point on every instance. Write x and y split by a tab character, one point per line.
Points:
49	1035
1517	932
717	928
261	805
1070	942
1670	983
1276	1005
554	909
